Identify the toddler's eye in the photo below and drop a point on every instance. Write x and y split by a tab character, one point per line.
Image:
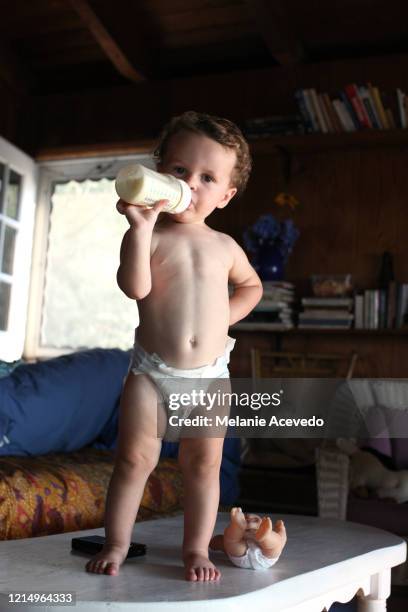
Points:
179	170
207	178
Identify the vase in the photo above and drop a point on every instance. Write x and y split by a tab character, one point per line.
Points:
271	265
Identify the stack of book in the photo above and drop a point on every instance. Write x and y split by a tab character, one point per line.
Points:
326	313
382	308
276	305
263	127
356	107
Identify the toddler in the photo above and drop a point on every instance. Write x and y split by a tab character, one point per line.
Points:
178	269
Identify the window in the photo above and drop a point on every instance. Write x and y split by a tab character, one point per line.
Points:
18	178
75	300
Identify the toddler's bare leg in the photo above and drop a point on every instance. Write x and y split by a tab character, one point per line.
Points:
271	541
137	455
200	460
234	543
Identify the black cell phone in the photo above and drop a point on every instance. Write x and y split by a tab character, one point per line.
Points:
93	544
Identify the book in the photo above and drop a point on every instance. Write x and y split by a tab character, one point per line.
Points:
268	317
371	308
379	106
270	305
323	324
332	113
391	304
402	306
350	110
344	118
307	121
401	109
310	110
366	310
358	312
369	106
340	302
405	103
262	127
382	309
359	109
256	325
271	297
277	285
327	118
318	111
326	314
375	308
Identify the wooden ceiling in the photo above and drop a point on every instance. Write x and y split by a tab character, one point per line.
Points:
61	46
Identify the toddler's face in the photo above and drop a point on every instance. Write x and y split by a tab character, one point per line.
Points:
206	166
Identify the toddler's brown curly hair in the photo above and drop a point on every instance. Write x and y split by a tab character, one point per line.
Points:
223	131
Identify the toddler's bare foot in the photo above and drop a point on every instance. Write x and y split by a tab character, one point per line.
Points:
107	561
236	529
198	568
271	541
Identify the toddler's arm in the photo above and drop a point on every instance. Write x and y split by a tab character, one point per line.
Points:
133	276
247	285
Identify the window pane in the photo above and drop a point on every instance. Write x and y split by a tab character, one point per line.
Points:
5	291
2	170
7	260
13	195
83	305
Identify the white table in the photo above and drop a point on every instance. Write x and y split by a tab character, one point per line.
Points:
324	561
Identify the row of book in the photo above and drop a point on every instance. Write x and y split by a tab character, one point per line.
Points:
356	107
273	125
326	313
373	309
276	305
382	308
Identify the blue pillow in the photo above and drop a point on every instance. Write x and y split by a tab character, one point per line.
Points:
6	367
61	404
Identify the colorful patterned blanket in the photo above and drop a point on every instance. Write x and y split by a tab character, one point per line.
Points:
66	492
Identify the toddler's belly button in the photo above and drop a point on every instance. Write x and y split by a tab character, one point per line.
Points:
193	341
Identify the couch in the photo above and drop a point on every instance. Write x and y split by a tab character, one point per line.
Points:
58	428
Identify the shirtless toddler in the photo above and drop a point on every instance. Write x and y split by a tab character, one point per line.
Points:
178	269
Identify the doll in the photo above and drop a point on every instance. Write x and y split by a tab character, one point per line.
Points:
249	540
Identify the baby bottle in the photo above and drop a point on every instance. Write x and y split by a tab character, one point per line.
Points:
136	184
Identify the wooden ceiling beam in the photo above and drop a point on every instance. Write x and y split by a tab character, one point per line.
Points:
110	47
273	23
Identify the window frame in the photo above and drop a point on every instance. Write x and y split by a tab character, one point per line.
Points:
12	339
51	172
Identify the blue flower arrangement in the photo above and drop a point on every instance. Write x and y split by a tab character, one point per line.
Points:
269	232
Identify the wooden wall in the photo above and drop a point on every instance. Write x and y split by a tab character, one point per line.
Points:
139	111
353	206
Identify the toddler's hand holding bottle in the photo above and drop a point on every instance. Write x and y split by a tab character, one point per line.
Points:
141	217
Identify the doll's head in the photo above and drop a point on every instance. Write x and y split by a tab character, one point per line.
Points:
253	522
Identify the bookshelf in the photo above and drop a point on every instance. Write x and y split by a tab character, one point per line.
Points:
298	143
265	327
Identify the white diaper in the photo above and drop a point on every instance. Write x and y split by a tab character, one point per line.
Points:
164	376
253	558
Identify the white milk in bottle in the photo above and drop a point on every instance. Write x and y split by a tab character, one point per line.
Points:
136	184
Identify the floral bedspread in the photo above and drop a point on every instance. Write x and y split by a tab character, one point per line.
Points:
66	492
